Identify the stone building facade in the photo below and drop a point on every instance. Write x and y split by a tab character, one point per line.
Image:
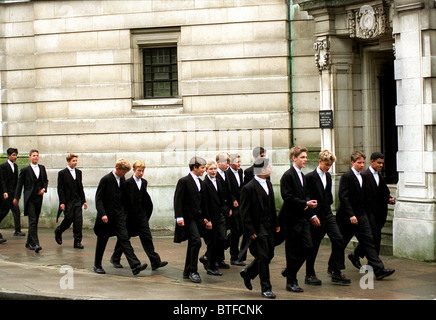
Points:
72	76
164	80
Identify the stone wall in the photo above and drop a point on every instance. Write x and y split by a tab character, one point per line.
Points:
70	79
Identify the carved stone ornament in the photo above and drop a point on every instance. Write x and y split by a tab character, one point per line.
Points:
367	22
322	54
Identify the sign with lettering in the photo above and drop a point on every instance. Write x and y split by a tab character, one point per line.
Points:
326	119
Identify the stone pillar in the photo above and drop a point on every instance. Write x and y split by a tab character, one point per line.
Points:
333	57
414	223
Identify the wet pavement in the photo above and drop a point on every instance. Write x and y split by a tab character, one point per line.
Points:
62	272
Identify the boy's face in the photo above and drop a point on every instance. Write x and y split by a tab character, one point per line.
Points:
72	163
377	164
301	160
198	171
34	157
121	172
13	157
359	164
223	165
325	165
262	155
138	172
267	171
212	171
236	164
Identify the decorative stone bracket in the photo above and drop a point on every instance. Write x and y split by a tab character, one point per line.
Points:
368	22
322	54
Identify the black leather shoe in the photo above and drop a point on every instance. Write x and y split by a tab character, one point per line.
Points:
139	268
116	264
58	237
3	240
29	246
268	294
19	234
294	287
214	272
195	277
38	248
313	280
223	265
203	260
247	280
160	265
354	260
99	270
384	273
78	245
237	263
339	277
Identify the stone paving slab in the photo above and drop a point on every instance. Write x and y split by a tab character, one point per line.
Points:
62	272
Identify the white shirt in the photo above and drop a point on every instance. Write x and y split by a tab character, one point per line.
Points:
12	165
118	178
300	174
138	182
358	176
263	184
197	180
323	176
236	173
72	171
375	174
222	174
213	182
35	169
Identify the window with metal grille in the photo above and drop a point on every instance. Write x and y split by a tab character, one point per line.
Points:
160	72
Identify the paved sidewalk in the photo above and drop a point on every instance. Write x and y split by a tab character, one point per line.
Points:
62	272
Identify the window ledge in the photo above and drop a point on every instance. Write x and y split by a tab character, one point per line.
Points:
158	103
161	106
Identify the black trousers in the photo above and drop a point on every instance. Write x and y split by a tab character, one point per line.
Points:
34	205
262	249
73	215
235	224
6	205
330	227
194	245
298	243
146	239
376	227
363	233
119	227
215	241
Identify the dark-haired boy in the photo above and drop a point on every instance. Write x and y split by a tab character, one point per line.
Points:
8	184
351	217
259	221
190	215
377	195
258	152
71	199
34	180
294	217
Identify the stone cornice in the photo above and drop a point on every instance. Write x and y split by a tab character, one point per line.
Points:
319	4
